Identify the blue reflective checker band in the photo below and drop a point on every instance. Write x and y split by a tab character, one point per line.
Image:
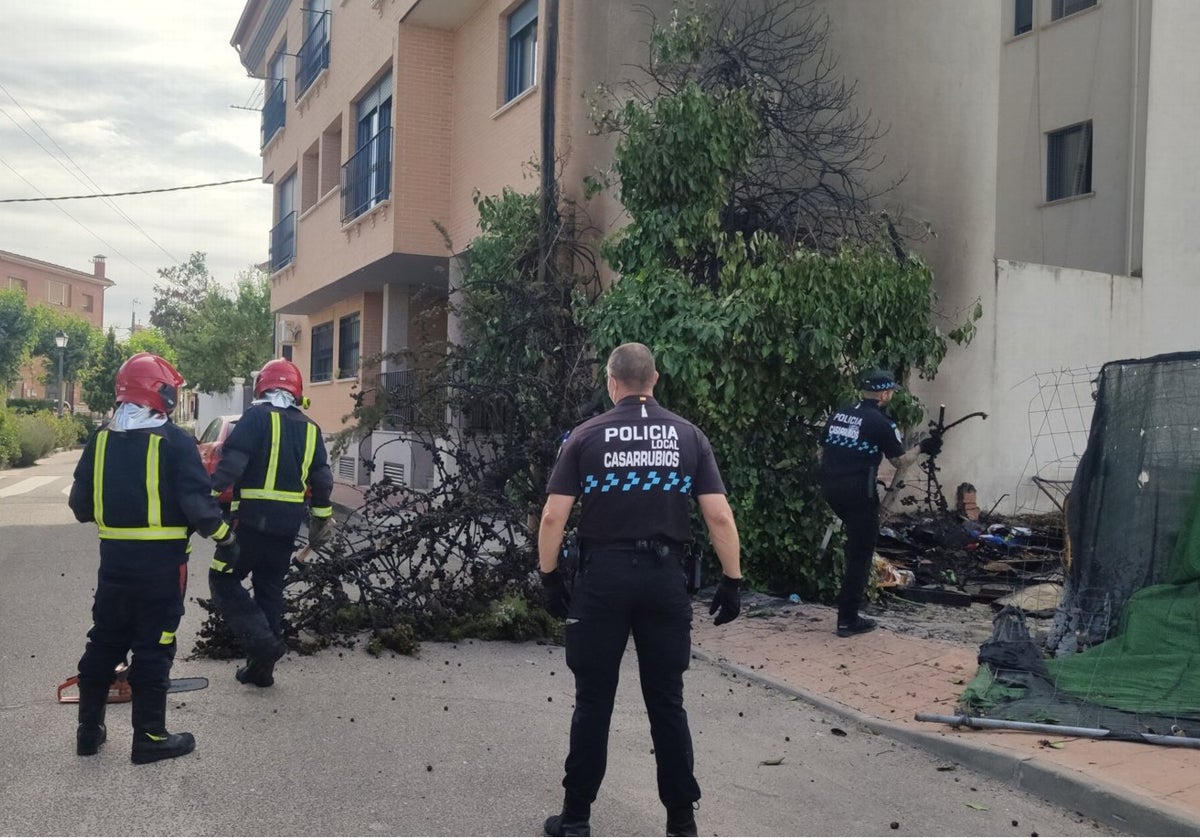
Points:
632	480
855	445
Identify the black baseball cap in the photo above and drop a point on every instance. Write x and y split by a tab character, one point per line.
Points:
878	380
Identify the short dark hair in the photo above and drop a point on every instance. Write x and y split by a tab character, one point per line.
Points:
632	365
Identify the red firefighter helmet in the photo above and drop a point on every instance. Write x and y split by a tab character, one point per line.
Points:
149	380
279	373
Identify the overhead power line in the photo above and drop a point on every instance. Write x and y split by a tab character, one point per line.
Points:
132	192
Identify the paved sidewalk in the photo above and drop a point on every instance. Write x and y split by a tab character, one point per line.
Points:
882	679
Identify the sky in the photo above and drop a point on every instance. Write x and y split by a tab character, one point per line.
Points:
125	95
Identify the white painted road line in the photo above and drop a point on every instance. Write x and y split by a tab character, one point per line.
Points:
31	483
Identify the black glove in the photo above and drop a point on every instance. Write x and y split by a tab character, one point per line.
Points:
931	446
226	555
319	530
555	597
727	599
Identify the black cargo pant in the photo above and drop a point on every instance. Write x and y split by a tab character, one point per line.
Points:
265	559
856	502
618	592
137	608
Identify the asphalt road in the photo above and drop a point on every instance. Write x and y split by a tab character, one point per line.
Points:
464	739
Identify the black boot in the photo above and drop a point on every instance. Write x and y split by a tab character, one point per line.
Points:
151	740
259	669
681	821
855	625
93	700
573	821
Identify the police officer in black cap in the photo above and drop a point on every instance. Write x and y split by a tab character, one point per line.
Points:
636	467
857	438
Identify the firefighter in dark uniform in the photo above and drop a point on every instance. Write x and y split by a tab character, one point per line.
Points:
271	458
857	438
636	467
141	481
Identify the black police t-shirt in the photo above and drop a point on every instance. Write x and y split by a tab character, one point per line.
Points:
635	469
857	437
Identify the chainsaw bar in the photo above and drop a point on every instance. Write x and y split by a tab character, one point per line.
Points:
120	692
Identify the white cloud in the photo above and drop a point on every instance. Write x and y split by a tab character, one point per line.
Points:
137	93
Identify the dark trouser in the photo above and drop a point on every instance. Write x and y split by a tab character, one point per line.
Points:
618	592
264	558
137	607
859	512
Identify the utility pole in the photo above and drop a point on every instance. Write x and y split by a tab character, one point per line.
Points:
549	214
133	316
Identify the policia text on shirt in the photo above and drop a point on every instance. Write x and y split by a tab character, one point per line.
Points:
635	470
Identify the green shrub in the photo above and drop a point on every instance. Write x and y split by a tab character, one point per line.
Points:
36	434
10	448
29	406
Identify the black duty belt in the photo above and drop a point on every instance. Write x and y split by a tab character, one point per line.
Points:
660	547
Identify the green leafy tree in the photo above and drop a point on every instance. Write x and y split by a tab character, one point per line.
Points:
183	289
16	335
100	379
227	336
83	340
757	334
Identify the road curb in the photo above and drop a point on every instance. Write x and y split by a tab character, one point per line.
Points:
1114	806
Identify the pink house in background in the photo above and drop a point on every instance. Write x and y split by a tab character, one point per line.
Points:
61	289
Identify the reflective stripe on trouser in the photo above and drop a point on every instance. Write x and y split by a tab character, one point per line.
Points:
616	594
265	559
137	608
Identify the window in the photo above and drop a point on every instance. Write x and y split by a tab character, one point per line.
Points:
1062	8
89	303
1069	161
522	50
283	235
58	293
1022	16
322	353
367	176
274	110
18	284
314	52
349	329
287	352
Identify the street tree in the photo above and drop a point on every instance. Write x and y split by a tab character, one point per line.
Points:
183	289
100	379
16	335
83	340
228	335
759	325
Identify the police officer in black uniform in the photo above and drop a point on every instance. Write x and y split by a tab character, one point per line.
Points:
141	481
857	438
636	467
274	453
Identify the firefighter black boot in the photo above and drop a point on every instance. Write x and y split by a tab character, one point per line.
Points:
151	740
259	669
93	700
681	821
573	821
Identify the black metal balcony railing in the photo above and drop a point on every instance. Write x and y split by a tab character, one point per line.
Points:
274	110
367	177
314	55
283	242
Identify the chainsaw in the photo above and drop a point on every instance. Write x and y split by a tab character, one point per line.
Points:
120	690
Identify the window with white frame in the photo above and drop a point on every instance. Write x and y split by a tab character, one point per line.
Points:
521	57
89	303
321	365
1063	8
18	284
349	332
58	293
1069	161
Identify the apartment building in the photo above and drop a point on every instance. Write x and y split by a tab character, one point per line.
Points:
382	118
1048	143
61	289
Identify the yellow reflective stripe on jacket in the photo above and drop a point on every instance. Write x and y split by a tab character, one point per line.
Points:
275	495
310	449
107	533
167	638
221	532
153	501
269	492
98	478
219	566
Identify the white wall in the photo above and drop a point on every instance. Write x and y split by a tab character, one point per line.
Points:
209	406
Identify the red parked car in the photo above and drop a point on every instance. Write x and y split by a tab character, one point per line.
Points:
210	444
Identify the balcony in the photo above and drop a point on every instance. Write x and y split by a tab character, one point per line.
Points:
413	400
367	177
283	242
274	111
314	55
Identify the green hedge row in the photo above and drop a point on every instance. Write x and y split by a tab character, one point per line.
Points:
24	438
